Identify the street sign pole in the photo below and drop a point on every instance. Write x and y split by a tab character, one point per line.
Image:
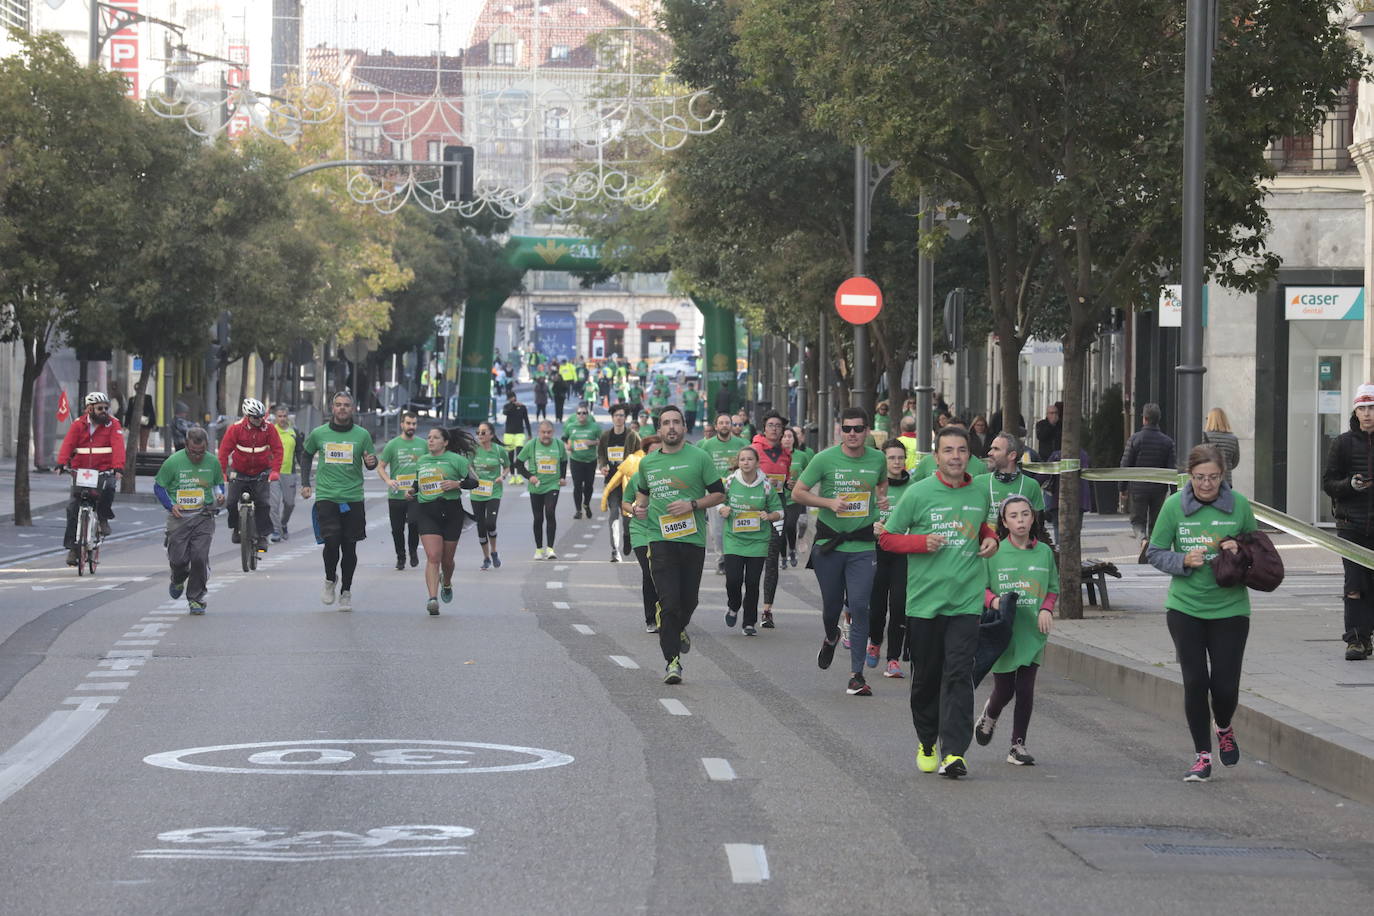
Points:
859	393
925	323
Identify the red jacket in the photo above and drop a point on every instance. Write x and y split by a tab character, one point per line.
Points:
90	445
778	469
251	449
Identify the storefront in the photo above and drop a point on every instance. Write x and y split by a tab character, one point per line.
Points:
658	333
606	333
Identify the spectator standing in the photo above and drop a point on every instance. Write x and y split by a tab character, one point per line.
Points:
1217	431
1148	447
1049	432
1348	478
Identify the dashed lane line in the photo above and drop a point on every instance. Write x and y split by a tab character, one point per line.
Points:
718	769
624	661
675	707
584	629
748	863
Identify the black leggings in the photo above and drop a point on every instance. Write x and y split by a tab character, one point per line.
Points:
742	575
332	550
789	524
1197	641
647	586
770	567
583	479
887	603
485	511
400	513
544	505
1021	685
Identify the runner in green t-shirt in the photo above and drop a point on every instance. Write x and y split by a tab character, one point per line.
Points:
848	483
441	475
942	522
674	487
1004	477
887	601
1025	566
723	446
544	460
190	484
340	521
397	470
751	508
490	463
581	435
691	404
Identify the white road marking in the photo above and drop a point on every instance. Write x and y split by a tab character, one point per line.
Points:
560	569
129	673
328	757
718	769
41	748
107	685
86	704
624	661
553	584
136	642
584	629
561	605
675	707
748	863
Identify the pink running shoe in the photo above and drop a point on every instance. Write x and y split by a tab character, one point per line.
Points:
894	668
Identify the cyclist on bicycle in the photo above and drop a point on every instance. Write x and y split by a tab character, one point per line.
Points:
94	440
190	484
250	448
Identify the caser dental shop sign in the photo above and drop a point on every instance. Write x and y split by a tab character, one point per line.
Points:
1323	303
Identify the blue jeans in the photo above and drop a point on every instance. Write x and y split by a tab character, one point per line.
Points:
843	575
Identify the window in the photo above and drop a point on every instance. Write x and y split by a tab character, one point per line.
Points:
434	150
558	52
14	14
398	150
557	132
503	54
366	139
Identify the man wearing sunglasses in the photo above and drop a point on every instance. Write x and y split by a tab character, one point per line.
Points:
848	483
94	440
582	435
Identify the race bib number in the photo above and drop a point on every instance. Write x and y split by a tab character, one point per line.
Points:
678	526
190	499
484	488
745	522
546	466
581	445
615	453
853	505
338	453
776	480
404	481
431	482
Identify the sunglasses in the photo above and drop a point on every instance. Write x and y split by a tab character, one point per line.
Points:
851	429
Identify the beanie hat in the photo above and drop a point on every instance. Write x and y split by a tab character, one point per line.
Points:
1364	396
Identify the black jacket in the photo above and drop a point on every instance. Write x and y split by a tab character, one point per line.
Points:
1148	448
1352	453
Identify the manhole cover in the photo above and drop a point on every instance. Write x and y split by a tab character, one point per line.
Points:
1166	850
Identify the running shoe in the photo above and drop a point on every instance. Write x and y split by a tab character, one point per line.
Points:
720	567
844	629
792	559
432	605
858	687
686	642
400	562
446	594
1369	646
345	600
486	563
650	628
327	593
982	732
1201	770
1354	651
731	617
176	588
72	558
827	653
234	536
414	558
539	553
953	766
578	514
285	534
615	556
495	560
1017	756
894	668
926	761
549	554
767	619
674	672
872	659
1228	749
750	631
197	607
274	538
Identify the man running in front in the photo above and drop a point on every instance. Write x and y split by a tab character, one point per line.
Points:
340	522
674	487
942	522
189	485
399	460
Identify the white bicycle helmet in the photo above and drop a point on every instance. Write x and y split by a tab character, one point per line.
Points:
97	397
252	407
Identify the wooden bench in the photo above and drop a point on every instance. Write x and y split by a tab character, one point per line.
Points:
1094	578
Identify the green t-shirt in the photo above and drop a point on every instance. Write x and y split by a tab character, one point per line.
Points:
582	438
684	474
801	457
339	472
977	467
636	394
855	481
722	454
1030	573
881	423
747	532
950	581
400	455
1021	485
1196	593
690	399
191	486
432	470
589	391
542	461
487	465
657	401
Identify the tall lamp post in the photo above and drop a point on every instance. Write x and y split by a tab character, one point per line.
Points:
1362	151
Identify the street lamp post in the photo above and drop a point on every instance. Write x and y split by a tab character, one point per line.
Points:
1362	151
858	396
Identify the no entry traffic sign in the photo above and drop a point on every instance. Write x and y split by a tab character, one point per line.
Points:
858	300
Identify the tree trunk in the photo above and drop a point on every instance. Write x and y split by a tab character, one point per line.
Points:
1070	604
894	385
243	379
1009	355
130	484
33	365
267	387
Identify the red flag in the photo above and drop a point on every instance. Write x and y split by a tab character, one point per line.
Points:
64	409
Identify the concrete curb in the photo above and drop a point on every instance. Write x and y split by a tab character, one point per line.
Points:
60	505
1308	748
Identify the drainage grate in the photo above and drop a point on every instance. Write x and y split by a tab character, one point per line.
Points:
1231	852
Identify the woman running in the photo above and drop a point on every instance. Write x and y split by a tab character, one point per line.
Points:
751	506
1209	624
794	515
637	531
489	463
775	461
440	478
1023	564
887	601
544	461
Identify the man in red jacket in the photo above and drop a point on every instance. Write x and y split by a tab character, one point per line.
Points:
94	440
251	448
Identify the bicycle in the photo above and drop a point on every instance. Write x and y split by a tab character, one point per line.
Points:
89	483
248	526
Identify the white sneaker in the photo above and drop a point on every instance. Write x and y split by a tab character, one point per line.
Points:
327	595
539	553
549	554
345	601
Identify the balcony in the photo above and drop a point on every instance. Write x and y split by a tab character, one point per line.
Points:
1325	151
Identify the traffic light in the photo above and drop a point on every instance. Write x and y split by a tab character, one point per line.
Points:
954	318
457	171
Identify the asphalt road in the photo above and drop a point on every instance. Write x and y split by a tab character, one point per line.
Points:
513	755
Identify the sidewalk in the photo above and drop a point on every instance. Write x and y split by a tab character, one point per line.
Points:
51	491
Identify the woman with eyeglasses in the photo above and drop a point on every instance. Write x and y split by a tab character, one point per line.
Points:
544	462
489	463
1209	623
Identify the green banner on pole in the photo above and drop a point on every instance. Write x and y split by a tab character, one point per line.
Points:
718	350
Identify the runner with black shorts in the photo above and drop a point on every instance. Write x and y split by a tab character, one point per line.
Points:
544	461
340	522
490	463
441	475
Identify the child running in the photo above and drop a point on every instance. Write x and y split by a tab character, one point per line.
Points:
441	476
544	460
1023	564
751	507
489	462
